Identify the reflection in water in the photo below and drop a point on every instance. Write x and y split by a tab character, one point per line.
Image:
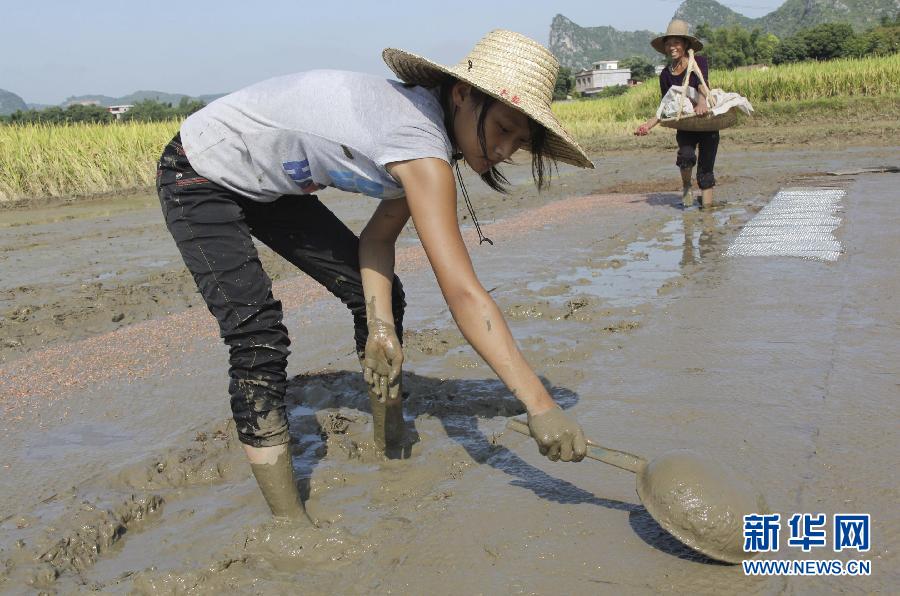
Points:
636	273
631	277
699	228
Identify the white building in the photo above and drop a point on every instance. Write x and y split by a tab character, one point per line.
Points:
604	73
117	111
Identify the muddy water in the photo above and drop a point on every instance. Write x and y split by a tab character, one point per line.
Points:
84	267
780	368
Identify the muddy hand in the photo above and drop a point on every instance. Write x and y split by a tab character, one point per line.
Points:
383	360
558	435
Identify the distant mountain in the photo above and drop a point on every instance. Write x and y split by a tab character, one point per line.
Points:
793	15
160	96
10	102
210	97
711	12
577	47
102	100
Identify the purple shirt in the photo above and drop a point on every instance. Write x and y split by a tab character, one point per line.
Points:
667	79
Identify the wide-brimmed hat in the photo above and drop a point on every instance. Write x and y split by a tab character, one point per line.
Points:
677	28
509	67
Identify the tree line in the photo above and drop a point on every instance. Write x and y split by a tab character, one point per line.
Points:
731	47
148	110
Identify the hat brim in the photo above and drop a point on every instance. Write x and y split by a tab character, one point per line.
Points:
414	69
659	43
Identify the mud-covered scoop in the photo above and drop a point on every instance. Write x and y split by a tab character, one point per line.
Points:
698	500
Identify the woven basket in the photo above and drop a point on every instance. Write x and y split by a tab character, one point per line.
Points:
692	122
705	123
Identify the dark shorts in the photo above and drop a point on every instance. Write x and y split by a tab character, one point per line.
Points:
213	228
704	158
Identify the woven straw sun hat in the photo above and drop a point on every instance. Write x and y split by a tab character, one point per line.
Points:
509	67
677	28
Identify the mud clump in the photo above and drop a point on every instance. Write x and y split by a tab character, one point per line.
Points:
336	423
621	326
348	432
89	532
701	502
434	342
267	561
579	308
210	459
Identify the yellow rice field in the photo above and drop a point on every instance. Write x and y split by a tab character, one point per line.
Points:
41	160
38	161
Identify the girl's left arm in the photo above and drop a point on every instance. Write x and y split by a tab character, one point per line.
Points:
431	196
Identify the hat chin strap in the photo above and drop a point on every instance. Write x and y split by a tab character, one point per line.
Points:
462	186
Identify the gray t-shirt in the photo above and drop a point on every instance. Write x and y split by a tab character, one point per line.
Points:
298	133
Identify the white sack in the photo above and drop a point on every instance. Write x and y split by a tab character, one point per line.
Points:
722	101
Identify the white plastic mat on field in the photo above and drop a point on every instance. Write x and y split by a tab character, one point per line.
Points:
798	222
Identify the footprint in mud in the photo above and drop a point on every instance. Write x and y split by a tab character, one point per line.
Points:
270	559
69	533
74	541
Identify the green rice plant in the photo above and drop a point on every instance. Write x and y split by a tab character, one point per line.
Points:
53	160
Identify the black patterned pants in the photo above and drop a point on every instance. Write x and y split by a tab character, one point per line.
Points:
688	155
212	228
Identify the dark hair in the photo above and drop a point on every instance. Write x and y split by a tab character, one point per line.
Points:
541	159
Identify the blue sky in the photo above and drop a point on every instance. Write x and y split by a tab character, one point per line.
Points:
52	49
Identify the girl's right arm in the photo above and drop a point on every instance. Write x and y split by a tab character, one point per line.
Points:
431	197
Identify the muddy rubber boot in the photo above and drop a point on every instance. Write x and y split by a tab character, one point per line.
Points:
687	197
387	419
276	481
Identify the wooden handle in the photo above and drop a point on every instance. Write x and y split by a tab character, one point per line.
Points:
613	457
699	73
692	67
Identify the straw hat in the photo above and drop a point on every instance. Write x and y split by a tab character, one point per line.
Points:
509	67
677	28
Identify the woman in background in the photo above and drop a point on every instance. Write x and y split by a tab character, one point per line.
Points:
694	148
